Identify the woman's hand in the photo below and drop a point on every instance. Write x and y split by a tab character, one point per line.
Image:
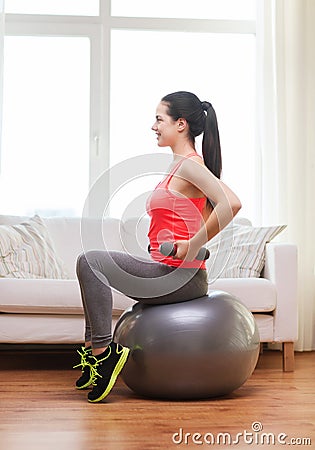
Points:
185	250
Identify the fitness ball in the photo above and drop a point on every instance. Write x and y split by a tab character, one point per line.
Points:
201	348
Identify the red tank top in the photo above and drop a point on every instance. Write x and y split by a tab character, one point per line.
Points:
174	217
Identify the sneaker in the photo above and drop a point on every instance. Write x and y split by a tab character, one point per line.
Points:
86	378
106	368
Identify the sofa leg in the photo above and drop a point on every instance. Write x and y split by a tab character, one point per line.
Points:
288	356
261	349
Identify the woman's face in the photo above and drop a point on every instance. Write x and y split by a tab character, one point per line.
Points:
166	129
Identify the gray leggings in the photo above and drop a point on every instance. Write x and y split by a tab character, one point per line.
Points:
141	279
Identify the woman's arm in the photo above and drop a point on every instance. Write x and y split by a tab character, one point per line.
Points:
225	201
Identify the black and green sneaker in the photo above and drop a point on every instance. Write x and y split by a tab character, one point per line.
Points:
105	369
86	378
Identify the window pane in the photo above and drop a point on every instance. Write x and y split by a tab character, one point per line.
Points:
61	7
219	68
197	9
45	152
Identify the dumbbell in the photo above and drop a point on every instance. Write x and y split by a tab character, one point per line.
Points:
170	249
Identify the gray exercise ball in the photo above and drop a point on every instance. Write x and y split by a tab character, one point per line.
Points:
201	348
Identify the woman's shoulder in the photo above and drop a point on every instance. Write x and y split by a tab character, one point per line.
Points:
195	171
197	158
194	162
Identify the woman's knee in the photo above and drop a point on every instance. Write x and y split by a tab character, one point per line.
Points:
85	261
81	260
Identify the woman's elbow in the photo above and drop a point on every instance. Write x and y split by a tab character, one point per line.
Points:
236	205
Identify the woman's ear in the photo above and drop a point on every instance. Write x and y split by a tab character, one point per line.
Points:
181	124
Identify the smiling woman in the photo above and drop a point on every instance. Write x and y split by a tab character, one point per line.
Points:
185	221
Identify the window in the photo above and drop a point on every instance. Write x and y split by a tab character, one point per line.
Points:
82	80
51	114
45	156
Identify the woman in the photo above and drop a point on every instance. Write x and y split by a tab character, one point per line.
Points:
189	207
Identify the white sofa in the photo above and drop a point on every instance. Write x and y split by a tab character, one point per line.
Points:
49	311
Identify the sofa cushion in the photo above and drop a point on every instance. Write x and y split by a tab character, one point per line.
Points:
73	235
41	329
47	296
258	294
238	251
27	251
135	236
63	296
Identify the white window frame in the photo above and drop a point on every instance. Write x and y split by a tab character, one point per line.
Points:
73	26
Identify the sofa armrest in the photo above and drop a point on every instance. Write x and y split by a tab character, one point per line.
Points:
281	269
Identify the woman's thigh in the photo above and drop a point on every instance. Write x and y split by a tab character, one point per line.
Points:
145	280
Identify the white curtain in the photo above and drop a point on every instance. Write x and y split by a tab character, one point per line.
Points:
286	124
1	65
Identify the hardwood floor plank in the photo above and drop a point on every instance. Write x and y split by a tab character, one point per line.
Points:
41	410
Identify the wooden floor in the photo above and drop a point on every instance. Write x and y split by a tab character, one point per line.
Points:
40	410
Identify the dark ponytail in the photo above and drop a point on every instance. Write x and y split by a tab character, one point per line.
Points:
201	118
211	147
